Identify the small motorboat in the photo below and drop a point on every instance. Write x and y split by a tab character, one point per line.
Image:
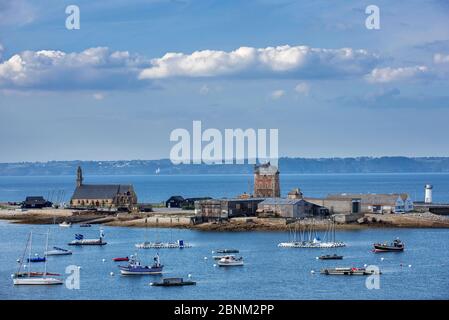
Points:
58	252
65	224
349	271
85	225
222	256
227	251
120	259
172	282
37	259
229	261
396	246
134	267
330	257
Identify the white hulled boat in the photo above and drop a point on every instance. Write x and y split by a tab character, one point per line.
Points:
229	261
33	278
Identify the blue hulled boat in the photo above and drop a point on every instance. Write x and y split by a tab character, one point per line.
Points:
134	267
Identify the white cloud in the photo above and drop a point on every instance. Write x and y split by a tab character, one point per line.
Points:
384	75
302	61
302	88
94	68
276	94
441	58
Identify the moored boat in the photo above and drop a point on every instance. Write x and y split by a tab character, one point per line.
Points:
120	259
37	259
85	225
180	244
80	241
171	282
330	257
227	251
34	278
349	271
396	246
134	267
229	261
58	252
65	224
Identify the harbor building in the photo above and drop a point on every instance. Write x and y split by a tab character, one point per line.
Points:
103	196
36	202
368	203
216	209
289	208
266	181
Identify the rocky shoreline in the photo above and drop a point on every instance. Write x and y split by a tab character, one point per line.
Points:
182	219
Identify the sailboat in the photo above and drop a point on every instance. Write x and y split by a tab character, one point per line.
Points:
310	239
34	278
57	251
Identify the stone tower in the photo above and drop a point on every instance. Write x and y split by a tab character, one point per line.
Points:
266	181
79	177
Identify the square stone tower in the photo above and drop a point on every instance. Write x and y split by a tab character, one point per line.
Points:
266	181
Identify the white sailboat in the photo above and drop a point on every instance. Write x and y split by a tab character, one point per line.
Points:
31	278
310	239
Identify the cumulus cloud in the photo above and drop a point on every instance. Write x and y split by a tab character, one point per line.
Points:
385	75
276	94
302	88
300	61
439	58
94	68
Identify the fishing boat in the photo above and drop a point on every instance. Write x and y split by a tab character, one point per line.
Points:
308	237
227	251
119	259
229	261
172	282
58	252
396	246
34	278
330	257
134	267
349	271
80	241
65	224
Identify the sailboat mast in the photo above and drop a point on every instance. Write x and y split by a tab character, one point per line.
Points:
29	254
45	254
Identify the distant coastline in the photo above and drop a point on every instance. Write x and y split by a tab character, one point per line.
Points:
287	166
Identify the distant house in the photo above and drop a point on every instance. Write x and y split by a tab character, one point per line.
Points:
174	202
290	208
103	196
36	202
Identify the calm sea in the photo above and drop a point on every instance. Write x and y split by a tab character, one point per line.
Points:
269	272
421	272
158	188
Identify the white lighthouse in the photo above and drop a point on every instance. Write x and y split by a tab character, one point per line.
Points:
428	194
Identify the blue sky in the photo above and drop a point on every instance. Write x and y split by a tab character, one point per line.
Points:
136	70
